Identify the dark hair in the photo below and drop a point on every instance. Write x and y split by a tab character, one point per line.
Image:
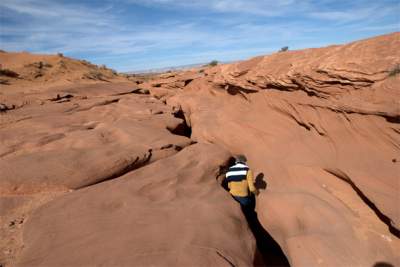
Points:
241	158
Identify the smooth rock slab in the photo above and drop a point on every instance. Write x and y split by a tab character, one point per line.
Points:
170	213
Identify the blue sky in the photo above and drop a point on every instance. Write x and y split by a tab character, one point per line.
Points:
130	35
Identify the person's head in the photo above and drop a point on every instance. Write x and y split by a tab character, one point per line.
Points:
241	159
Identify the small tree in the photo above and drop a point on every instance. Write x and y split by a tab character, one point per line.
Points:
394	71
284	49
213	63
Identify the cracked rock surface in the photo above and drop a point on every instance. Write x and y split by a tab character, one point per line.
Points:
156	215
124	173
328	146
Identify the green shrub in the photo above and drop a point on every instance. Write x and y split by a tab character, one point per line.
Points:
394	71
213	63
95	75
87	63
284	49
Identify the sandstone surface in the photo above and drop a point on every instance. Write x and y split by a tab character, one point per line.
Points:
124	171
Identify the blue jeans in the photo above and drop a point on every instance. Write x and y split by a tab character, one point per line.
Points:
244	201
248	205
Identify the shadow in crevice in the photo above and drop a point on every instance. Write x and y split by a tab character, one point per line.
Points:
383	217
223	170
234	90
383	264
268	252
134	165
392	119
182	128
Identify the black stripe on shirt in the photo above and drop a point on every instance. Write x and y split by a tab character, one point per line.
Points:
236	178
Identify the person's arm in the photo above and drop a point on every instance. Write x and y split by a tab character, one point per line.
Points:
250	182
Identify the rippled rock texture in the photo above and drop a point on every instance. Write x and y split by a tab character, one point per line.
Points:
127	172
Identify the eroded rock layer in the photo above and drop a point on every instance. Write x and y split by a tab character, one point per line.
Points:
323	126
125	183
157	215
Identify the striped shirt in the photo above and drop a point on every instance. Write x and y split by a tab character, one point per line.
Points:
240	180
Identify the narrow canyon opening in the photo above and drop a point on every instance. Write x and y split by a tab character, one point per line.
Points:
183	128
268	252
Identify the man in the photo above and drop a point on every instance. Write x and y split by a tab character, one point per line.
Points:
241	184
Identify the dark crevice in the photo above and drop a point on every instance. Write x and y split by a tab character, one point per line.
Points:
302	124
167	146
316	129
136	164
279	87
394	119
234	90
237	90
345	80
139	163
308	91
61	98
296	86
298	121
268	252
77	108
385	219
337	82
284	88
182	128
175	147
226	259
4	107
383	264
8	73
222	170
178	148
139	91
186	82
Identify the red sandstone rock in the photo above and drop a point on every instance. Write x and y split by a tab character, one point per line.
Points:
321	126
325	142
169	213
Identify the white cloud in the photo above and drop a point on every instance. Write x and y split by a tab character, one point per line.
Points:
99	33
364	13
260	7
80	29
